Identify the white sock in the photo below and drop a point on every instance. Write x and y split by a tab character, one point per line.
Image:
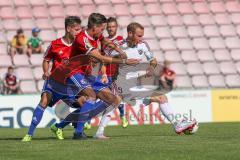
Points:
103	123
168	112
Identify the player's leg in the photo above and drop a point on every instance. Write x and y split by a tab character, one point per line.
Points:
37	115
169	113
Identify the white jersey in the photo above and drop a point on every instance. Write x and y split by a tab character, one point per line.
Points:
128	79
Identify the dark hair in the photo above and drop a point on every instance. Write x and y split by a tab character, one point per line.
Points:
10	67
96	19
70	20
112	19
133	26
19	31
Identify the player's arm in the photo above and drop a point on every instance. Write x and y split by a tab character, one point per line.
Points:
110	44
105	59
46	62
104	73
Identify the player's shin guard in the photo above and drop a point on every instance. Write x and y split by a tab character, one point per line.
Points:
36	119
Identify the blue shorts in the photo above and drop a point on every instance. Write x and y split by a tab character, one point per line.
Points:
59	91
98	85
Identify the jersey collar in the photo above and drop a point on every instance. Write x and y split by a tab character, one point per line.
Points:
66	44
89	35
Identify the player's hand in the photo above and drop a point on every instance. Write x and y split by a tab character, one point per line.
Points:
132	62
104	79
45	75
123	55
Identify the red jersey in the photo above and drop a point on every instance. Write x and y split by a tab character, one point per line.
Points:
11	79
83	45
58	52
112	69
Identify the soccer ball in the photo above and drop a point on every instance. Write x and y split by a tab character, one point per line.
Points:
192	130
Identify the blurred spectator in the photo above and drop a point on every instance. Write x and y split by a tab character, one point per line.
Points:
35	43
10	82
167	77
18	44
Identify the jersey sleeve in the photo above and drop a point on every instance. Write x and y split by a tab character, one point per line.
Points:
146	50
48	56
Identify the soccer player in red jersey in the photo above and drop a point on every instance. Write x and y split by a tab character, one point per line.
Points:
58	52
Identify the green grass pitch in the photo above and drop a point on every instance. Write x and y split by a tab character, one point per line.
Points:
151	142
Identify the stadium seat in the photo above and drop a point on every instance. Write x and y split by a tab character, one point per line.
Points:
36	59
235	18
233	80
174	20
201	8
4	13
133	1
195	31
84	2
179	32
3	49
183	82
217	43
200	43
227	30
28	87
172	56
123	21
153	44
121	10
211	68
169	8
233	6
222	55
58	23
178	68
10	35
235	54
190	20
106	10
143	20
56	11
48	35
3	71
72	10
28	75
148	33
100	2
40	12
162	32
137	9
24	12
5	61
184	44
86	10
40	85
205	55
37	2
216	81
167	44
189	56
200	82
153	9
54	2
37	73
206	19
150	1
2	38
238	30
27	24
222	19
232	42
211	31
43	24
20	60
194	68
6	3
238	66
228	68
69	2
158	20
217	7
185	8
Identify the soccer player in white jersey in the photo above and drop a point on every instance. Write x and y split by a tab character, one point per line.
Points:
136	48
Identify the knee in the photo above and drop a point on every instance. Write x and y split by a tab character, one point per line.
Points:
44	101
162	99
